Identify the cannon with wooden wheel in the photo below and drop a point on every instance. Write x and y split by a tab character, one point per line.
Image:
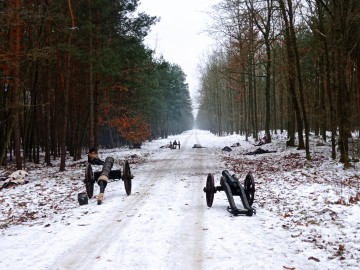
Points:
232	187
113	175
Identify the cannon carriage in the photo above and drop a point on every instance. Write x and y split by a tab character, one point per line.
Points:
174	145
232	187
112	175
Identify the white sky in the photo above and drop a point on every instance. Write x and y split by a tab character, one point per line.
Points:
180	36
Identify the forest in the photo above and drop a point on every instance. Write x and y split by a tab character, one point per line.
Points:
284	65
76	74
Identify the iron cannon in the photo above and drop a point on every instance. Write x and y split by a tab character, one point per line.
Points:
232	187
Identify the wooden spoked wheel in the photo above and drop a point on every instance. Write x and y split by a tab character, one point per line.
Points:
249	186
210	189
89	181
127	177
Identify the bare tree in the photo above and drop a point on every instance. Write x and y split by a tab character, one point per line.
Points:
15	36
289	40
262	16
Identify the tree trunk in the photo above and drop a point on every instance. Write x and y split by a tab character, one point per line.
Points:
65	107
264	26
91	83
15	36
292	74
299	76
328	80
291	125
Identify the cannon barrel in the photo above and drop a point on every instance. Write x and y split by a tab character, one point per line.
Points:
232	181
233	187
105	172
227	175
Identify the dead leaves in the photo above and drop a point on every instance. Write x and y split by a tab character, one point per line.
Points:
35	201
4	224
305	196
286	215
340	251
311	258
341	201
314	259
265	165
355	199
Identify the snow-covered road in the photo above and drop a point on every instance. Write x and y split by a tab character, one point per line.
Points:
159	226
163	224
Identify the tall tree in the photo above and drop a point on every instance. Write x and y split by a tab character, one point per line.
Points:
263	23
91	80
291	57
14	47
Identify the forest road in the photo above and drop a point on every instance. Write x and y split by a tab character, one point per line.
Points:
160	225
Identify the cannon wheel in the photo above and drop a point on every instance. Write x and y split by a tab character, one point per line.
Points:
249	185
127	177
89	181
210	189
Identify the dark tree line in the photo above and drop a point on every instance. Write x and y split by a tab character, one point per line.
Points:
76	74
284	65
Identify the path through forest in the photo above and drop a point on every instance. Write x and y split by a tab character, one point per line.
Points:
165	223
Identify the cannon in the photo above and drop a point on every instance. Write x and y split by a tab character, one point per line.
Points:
232	187
112	175
174	144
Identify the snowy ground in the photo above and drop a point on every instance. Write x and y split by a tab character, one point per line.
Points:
307	212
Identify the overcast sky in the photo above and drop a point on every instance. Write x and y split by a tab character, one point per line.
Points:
180	36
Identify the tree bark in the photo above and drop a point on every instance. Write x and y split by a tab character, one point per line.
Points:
91	82
292	74
299	77
264	26
15	37
66	94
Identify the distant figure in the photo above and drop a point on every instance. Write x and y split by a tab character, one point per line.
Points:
259	151
93	157
16	178
227	149
174	144
264	140
103	179
196	145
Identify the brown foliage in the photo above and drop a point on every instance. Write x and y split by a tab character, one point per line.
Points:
134	130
